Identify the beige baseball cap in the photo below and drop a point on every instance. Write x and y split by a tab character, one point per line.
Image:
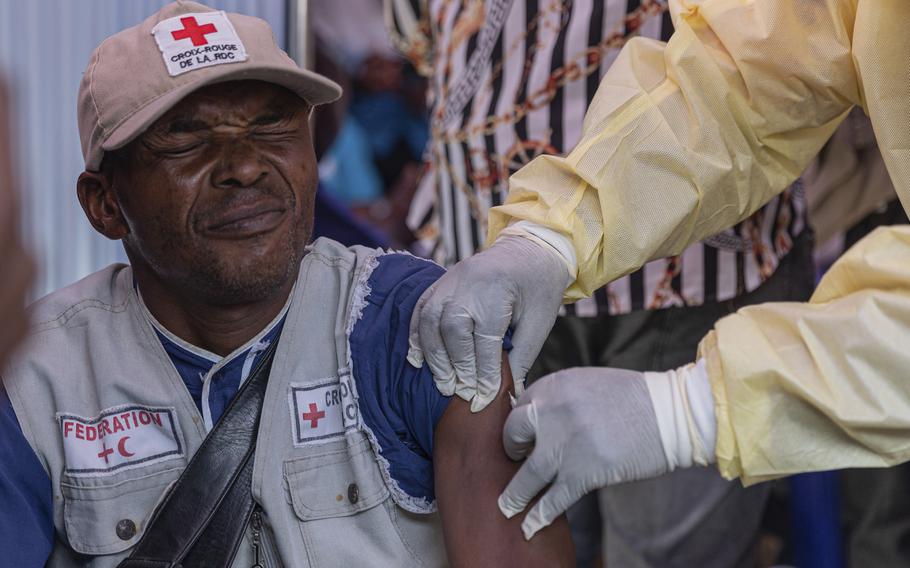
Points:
136	75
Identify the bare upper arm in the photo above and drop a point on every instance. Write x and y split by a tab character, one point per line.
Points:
471	469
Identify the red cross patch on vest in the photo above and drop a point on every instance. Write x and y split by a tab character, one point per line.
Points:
322	412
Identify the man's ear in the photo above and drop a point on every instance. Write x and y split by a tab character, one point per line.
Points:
101	206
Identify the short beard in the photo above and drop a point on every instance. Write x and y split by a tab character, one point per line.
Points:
217	283
221	285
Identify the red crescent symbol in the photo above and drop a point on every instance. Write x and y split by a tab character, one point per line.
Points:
121	447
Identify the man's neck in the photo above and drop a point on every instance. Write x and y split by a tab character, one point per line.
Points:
219	329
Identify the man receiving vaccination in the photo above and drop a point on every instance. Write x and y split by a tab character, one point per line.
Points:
198	156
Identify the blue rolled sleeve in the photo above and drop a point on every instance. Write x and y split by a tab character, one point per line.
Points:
399	403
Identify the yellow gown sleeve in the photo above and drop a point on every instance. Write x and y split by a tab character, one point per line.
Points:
826	385
684	139
822	385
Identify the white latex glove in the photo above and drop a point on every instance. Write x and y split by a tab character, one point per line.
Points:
459	322
587	428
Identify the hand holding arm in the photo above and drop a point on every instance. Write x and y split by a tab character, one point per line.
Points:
460	320
586	428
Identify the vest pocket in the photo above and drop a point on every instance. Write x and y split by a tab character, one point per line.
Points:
336	480
109	515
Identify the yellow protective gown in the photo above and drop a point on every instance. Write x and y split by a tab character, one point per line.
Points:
685	139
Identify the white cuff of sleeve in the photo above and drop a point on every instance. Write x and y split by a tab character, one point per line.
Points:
546	236
684	406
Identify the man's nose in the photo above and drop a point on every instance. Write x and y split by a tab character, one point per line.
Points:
239	165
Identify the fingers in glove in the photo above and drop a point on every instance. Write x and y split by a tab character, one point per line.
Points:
535	474
529	337
520	431
458	335
558	498
415	353
434	349
488	350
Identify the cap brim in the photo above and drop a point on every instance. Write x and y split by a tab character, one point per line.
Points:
311	87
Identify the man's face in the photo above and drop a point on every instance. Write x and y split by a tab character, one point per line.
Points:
217	195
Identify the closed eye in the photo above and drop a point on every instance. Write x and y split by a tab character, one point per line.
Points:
171	148
277	122
180	150
172	144
274	132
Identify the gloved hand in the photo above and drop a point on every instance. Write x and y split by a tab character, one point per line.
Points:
459	322
587	428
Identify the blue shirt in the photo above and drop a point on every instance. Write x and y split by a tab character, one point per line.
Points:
399	404
26	497
194	365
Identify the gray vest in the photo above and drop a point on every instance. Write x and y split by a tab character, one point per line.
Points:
112	422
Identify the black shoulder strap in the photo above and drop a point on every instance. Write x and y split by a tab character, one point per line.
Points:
201	521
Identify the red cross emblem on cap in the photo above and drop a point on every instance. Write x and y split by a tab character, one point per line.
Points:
193	31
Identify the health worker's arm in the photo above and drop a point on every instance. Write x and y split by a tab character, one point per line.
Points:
748	89
822	385
684	139
26	499
471	470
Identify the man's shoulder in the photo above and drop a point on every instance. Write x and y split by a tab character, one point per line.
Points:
336	252
382	273
396	270
106	289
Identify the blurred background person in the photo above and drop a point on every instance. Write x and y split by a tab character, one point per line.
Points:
848	189
375	159
16	267
511	80
16	277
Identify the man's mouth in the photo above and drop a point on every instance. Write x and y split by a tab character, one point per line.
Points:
246	222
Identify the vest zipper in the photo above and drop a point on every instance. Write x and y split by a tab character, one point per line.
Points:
263	548
269	553
256	525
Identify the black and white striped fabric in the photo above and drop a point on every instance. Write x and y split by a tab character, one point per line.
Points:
511	79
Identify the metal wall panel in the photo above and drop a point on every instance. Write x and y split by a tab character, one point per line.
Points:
44	47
